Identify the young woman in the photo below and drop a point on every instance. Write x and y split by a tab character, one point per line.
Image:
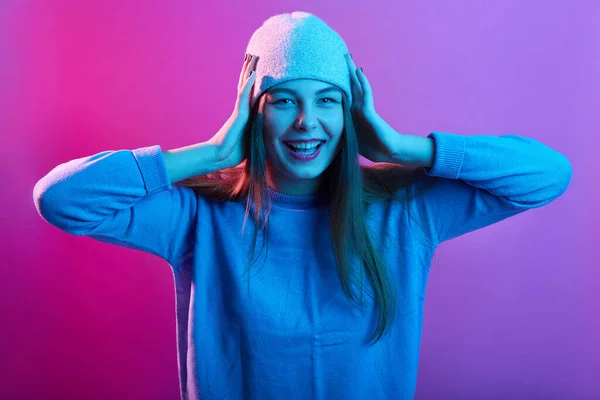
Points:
333	308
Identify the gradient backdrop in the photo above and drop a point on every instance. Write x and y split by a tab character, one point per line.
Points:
512	310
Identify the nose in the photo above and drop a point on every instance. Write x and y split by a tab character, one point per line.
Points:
306	120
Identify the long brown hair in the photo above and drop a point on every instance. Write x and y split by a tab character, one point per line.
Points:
349	186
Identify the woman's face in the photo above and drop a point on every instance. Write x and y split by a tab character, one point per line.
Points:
301	109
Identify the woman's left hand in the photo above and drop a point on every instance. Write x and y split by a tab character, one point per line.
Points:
375	137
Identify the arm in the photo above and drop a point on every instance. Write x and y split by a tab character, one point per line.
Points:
126	198
189	161
481	179
413	150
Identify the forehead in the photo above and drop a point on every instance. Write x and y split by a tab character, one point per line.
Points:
303	86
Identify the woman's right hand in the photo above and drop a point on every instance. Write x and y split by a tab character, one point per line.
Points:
230	138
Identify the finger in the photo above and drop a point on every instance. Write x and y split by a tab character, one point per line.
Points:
249	82
243	72
355	87
366	88
245	93
252	65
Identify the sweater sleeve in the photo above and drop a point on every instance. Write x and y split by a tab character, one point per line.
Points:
484	179
121	197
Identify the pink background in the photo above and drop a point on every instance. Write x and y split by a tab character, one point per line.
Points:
512	310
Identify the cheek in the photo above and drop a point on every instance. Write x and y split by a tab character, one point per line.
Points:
336	131
270	139
335	124
272	128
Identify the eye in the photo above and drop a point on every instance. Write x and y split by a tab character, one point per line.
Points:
327	102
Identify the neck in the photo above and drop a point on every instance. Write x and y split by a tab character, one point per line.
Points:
293	187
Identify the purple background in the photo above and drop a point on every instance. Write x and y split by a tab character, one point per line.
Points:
511	310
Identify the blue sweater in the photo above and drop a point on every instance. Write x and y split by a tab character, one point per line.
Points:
296	336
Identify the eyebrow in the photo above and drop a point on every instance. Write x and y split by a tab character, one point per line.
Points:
290	91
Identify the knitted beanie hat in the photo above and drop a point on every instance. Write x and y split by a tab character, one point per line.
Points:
298	45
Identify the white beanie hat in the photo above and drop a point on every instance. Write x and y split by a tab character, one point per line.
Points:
298	45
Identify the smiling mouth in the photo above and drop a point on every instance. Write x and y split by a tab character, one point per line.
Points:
307	150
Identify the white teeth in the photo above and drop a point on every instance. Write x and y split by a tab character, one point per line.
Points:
305	146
